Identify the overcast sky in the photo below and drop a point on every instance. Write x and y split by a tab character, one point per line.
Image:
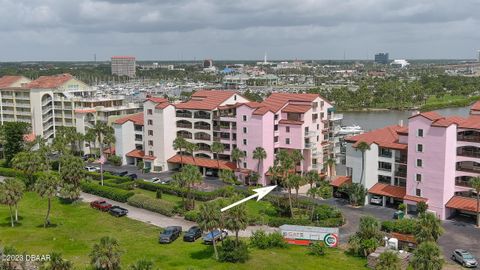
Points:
240	29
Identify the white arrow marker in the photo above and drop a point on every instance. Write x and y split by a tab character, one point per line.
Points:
259	192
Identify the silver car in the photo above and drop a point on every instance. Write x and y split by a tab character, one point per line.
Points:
464	257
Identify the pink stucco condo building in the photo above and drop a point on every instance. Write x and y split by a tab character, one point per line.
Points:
431	160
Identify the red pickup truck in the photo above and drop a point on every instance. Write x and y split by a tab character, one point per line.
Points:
101	205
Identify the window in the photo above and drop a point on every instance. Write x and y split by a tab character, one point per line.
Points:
287	141
419	132
244	130
244	165
275	139
150	153
275	127
418	192
276	117
418	177
385	166
287	129
150	122
244	141
385	179
245	153
244	117
235	97
384	152
150	142
150	132
400	182
420	148
149	111
419	162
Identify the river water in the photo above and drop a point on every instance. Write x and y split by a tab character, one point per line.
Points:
378	119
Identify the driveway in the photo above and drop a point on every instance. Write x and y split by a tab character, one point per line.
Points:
459	234
161	220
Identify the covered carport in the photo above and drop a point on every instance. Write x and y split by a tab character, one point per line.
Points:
203	163
463	208
392	196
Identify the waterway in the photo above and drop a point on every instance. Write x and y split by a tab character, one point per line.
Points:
378	119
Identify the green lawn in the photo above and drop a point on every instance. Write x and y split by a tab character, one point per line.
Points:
78	227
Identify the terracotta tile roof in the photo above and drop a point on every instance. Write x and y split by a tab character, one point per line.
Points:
462	203
156	99
137	119
205	100
341	180
385	137
7	81
471	122
276	101
139	154
162	105
203	162
46	82
230	106
415	198
403	131
447	121
429	115
408	238
292	108
92	110
475	106
388	190
290	122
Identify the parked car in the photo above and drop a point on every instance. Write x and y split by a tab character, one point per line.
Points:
132	176
465	258
90	169
192	234
170	234
101	205
376	200
165	181
155	180
118	211
88	156
211	173
118	173
215	234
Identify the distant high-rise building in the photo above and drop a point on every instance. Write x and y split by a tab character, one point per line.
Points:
478	55
123	66
208	63
381	58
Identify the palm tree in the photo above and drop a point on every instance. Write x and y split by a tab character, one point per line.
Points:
237	156
72	172
90	137
11	192
192	148
29	163
142	264
236	219
56	262
428	228
475	183
312	177
191	175
103	133
313	192
180	144
106	254
46	186
210	219
216	149
296	156
388	260
330	163
363	147
259	154
292	181
227	176
427	256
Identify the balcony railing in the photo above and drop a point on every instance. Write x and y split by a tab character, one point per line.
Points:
468	138
468	169
202	138
204	127
184	125
184	115
310	145
201	116
385	169
311	133
402	160
401	173
462	183
185	136
466	153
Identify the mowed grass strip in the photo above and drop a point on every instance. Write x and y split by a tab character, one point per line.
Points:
77	227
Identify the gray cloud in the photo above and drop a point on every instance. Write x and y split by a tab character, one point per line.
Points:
169	29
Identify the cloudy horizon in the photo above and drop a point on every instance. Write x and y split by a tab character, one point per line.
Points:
56	30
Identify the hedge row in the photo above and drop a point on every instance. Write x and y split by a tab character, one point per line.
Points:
177	191
405	226
106	175
159	206
130	185
112	193
10	172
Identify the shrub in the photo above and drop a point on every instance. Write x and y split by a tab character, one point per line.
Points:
130	185
107	176
115	160
317	249
158	194
192	215
230	251
275	240
279	221
148	203
422	207
405	226
115	194
262	240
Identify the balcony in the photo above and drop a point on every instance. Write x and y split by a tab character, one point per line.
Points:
310	145
401	160
462	182
201	115
401	173
184	114
469	136
202	136
181	125
311	133
468	152
468	166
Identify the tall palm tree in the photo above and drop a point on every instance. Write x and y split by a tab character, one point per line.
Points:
475	183
102	131
106	254
428	228
29	163
192	148
313	192
296	156
191	176
71	173
236	219
362	147
216	149
312	177
330	163
90	137
210	219
237	156
180	144
427	256
292	181
11	192
259	154
46	186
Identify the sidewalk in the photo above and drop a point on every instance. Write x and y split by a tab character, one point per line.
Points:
164	221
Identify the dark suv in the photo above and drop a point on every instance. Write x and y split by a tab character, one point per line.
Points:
170	234
192	234
117	211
